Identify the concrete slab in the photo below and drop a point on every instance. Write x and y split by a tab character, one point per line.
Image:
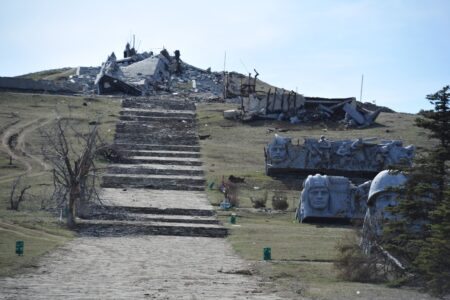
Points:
155	198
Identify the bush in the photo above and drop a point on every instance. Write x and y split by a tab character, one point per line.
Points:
353	265
260	202
279	201
231	193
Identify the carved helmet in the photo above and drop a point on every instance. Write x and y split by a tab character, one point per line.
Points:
315	181
280	140
384	180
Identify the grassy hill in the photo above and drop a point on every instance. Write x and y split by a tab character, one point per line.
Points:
22	116
54	74
302	254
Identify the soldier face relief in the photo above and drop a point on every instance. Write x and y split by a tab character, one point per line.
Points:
318	197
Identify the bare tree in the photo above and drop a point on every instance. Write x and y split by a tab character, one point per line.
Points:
73	166
15	201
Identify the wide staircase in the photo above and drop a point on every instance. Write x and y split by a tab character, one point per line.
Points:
157	185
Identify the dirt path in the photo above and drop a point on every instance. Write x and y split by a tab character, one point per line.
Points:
141	267
157	236
19	151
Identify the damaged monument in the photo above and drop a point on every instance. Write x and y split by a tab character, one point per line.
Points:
136	74
381	196
261	101
331	198
361	158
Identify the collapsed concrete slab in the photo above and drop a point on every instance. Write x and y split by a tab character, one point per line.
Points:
136	75
361	158
262	101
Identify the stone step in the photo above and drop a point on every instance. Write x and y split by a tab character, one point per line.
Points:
156	201
181	161
120	228
156	131
160	153
158	138
169	182
158	113
159	104
155	169
167	147
149	210
142	119
167	124
155	218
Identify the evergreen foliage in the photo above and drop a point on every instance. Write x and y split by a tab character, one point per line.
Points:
421	236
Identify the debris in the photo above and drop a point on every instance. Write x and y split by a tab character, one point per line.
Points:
236	179
283	105
231	114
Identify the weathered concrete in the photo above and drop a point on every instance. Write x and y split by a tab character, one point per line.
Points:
50	86
360	157
162	169
159	199
137	267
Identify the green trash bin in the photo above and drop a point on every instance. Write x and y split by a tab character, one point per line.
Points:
233	219
19	247
267	253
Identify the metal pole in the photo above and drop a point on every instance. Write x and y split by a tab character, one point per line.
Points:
225	62
362	82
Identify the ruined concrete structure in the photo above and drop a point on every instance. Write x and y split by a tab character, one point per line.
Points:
261	101
272	106
362	158
138	74
331	198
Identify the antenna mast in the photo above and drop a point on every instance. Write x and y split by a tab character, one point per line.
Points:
362	82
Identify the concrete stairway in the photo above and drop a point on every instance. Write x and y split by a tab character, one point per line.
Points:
157	188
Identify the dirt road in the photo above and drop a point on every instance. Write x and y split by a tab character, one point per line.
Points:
139	267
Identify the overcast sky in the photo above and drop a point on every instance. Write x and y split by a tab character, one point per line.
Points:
320	48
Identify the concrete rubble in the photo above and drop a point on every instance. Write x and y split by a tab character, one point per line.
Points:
146	73
261	101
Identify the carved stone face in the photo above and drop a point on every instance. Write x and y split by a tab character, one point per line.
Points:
277	152
384	200
318	197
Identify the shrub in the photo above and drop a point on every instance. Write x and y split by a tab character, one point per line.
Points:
354	265
279	201
260	202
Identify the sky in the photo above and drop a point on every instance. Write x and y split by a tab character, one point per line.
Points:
319	48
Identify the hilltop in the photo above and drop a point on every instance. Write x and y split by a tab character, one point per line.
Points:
303	254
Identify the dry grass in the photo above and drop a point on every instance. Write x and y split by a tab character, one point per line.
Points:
55	74
26	115
302	254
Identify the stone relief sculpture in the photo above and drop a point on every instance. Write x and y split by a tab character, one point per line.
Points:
381	196
331	197
360	157
277	150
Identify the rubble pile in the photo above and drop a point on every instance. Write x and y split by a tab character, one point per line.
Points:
261	101
196	80
144	74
